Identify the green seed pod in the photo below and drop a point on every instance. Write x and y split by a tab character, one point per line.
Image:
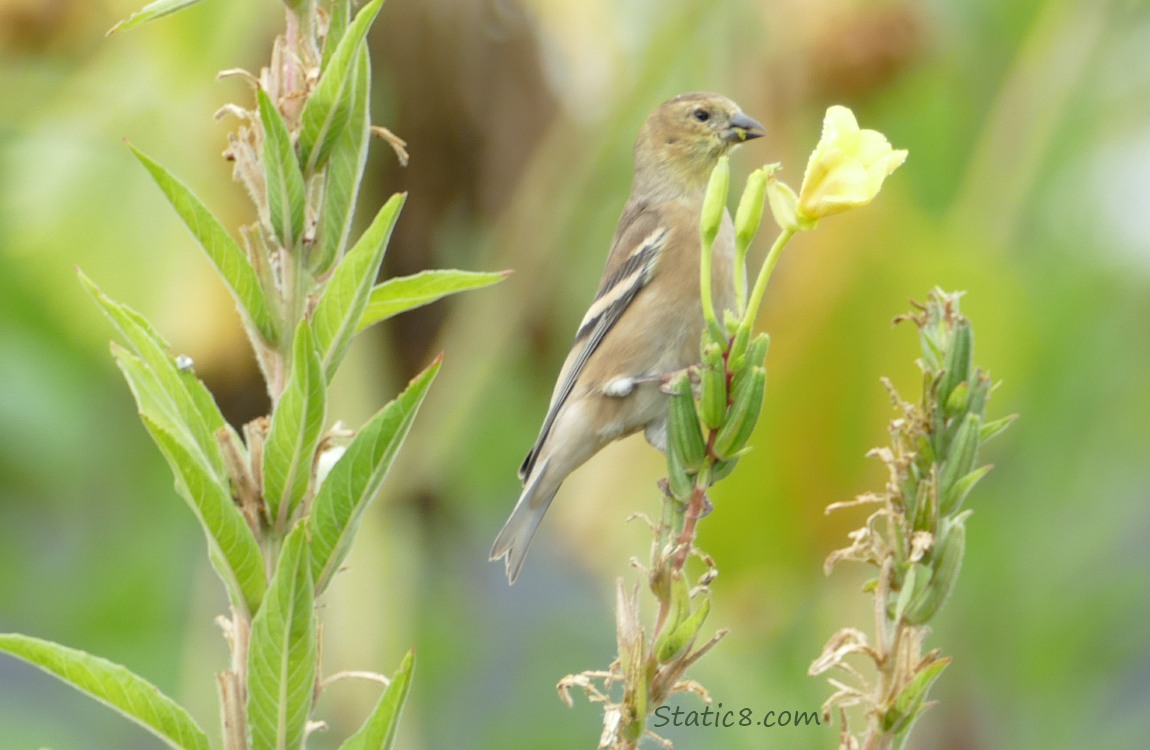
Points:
962	488
678	641
959	462
680	482
947	563
722	469
680	600
739	344
747	402
922	513
756	354
712	388
957	360
684	437
979	393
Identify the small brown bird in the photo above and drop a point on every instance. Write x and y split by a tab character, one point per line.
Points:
646	319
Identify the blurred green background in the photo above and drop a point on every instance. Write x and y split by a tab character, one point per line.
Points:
1028	185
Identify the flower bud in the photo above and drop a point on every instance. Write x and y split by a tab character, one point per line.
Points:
749	214
785	206
715	201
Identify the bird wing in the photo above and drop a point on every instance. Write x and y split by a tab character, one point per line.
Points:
639	241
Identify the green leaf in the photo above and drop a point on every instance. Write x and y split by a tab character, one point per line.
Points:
378	732
232	547
297	424
113	685
356	478
911	700
327	109
339	16
343	172
282	654
175	399
283	178
224	252
994	428
347	291
404	293
151	12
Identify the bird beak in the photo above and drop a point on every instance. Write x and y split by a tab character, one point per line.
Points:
742	128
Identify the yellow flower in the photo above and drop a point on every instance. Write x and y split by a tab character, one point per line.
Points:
847	167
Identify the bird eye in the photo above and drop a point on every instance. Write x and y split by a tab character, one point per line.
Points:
701	115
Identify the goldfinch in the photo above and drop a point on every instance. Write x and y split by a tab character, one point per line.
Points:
646	319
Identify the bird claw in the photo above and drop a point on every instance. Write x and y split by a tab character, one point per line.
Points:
666	379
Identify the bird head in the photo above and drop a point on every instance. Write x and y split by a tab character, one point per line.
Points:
682	140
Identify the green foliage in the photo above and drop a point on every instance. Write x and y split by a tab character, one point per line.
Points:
276	530
346	294
297	423
378	732
283	651
330	106
917	537
128	694
151	12
404	293
284	180
344	170
184	421
224	252
233	549
357	476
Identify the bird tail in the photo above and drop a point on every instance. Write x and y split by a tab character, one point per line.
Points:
515	538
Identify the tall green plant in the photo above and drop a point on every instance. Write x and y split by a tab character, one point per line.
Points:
916	536
280	505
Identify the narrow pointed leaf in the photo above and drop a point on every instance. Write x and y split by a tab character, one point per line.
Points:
356	478
175	399
341	306
378	732
151	12
297	424
284	180
343	172
340	17
232	547
911	700
995	427
327	109
404	293
282	653
224	252
113	685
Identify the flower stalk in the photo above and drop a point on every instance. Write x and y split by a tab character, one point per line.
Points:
917	535
713	410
